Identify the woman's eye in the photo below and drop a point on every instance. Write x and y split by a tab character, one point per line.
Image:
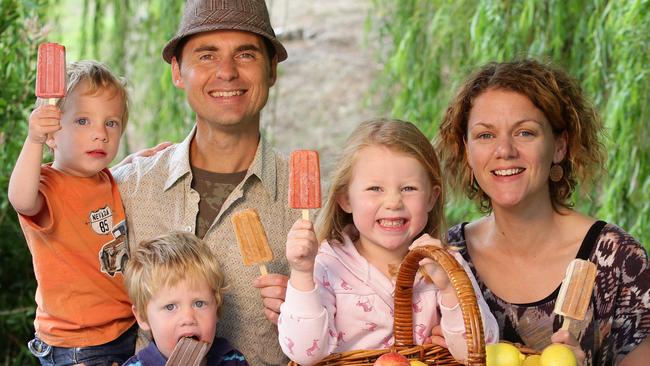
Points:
484	136
526	133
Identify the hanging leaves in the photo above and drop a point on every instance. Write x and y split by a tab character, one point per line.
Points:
432	45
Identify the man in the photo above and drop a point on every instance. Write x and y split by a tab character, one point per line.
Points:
224	57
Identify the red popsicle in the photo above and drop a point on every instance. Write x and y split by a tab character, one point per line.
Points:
50	72
304	181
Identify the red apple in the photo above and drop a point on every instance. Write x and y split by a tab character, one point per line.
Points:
391	359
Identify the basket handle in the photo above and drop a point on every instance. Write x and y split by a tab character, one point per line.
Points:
403	324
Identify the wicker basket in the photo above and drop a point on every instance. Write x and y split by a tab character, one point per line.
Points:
403	324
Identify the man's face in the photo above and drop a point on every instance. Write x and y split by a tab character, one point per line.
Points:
226	76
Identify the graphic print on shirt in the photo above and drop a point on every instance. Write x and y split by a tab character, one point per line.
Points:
365	305
420	330
371	326
344	285
114	254
417	308
314	347
288	342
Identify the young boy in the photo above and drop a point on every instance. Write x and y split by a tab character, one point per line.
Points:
73	220
176	287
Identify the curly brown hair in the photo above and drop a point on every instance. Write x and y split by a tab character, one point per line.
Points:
561	100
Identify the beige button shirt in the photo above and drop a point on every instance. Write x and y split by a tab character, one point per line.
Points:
158	199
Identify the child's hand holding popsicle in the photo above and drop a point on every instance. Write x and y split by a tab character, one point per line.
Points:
304	193
50	85
301	251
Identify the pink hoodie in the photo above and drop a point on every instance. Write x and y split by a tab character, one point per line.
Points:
351	308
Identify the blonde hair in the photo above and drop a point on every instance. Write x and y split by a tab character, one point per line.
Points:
99	77
398	136
167	260
561	100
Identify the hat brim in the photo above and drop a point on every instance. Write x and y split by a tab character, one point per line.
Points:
170	48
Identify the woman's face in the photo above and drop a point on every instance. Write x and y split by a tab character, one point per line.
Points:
510	148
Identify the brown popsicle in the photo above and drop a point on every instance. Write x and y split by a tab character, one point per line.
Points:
304	181
251	237
50	72
575	293
188	352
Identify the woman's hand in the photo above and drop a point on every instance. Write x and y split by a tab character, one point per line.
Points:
301	251
564	337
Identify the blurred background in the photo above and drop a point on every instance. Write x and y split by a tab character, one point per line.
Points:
348	61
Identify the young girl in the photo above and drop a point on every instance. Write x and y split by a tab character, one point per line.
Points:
386	192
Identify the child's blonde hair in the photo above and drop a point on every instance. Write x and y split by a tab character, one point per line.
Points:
398	136
167	260
99	77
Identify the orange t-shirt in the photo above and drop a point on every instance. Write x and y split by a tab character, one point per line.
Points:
78	260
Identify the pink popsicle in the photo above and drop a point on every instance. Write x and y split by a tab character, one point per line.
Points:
304	181
50	72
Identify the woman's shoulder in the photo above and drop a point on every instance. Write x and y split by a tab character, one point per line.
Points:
614	247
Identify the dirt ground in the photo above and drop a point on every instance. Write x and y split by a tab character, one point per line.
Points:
323	87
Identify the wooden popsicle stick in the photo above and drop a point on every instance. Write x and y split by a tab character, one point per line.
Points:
263	269
566	323
305	214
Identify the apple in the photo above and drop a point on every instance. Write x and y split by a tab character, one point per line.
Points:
391	359
417	363
558	355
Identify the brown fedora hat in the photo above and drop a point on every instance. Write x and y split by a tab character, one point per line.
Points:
209	15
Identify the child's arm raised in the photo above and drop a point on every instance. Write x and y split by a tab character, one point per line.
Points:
301	251
24	181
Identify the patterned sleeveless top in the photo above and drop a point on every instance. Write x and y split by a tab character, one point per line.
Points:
618	318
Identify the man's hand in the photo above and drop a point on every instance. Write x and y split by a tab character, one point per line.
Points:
144	153
564	337
273	289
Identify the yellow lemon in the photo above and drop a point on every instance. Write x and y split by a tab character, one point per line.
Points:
417	363
532	360
558	355
503	354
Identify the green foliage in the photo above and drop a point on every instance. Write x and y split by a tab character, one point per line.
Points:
21	31
129	36
432	45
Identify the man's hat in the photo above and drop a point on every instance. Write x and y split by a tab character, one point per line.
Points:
209	15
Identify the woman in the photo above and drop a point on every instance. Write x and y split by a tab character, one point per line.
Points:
518	138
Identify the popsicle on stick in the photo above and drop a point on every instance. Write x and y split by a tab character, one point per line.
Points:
50	72
188	352
304	181
251	237
575	293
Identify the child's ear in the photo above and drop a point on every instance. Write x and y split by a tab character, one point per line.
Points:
344	202
143	324
435	194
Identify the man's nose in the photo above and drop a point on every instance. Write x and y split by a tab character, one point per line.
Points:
227	69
